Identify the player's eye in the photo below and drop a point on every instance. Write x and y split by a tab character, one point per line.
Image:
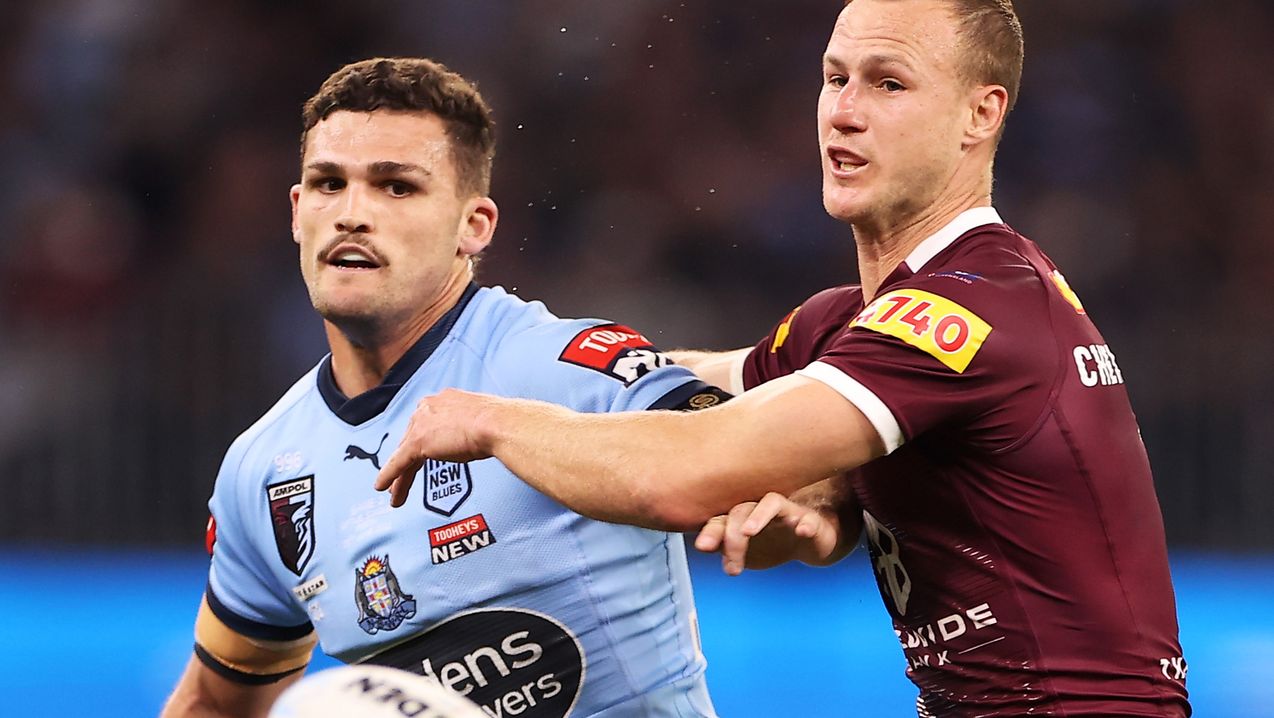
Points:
398	188
836	81
328	184
891	85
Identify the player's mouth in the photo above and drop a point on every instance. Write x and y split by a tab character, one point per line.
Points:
844	163
354	257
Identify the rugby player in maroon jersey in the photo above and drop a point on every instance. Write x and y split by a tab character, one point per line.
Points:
974	420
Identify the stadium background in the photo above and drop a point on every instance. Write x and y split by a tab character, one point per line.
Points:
657	165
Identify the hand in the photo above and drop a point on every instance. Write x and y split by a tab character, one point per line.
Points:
446	426
765	533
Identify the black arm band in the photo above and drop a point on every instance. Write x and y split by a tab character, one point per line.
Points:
692	396
236	676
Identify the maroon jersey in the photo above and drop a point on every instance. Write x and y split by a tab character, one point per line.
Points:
1013	526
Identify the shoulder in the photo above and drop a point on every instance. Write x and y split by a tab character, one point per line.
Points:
494	315
252	451
803	333
993	270
984	297
833	298
827	311
992	258
529	351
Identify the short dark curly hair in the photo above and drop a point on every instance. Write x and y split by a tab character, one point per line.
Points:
415	84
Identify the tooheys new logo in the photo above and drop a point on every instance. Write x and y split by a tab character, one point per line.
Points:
511	662
614	350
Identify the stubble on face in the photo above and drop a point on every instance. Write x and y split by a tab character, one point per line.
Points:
355	164
906	138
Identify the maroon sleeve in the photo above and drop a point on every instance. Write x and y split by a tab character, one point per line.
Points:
946	350
802	335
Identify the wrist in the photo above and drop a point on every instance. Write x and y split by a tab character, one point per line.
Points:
488	427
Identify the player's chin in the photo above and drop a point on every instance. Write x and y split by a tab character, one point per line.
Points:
346	307
844	204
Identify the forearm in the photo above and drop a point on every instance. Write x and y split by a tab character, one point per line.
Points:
717	368
661	469
617	467
203	694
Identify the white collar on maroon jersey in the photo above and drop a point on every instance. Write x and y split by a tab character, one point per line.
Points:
956	228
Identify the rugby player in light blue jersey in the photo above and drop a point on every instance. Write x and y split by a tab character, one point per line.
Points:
500	593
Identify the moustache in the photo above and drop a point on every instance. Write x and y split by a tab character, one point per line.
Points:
348	238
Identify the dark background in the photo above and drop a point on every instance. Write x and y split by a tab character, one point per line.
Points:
657	165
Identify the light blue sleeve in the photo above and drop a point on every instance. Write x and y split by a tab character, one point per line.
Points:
240	580
586	364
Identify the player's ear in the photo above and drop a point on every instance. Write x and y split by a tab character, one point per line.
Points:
479	219
295	196
988	104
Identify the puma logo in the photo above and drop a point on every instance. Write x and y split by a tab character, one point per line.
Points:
355	452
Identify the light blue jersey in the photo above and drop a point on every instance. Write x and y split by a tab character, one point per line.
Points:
499	592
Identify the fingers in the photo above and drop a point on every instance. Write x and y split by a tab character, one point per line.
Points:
771	505
734	549
710	536
809	525
398	474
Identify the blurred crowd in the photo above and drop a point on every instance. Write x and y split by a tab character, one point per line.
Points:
657	164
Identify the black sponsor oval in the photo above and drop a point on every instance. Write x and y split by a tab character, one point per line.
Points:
510	661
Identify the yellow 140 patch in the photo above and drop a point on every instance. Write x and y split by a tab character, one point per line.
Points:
935	325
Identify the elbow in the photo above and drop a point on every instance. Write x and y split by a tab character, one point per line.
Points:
673	502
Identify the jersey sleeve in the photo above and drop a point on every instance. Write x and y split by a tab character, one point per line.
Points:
243	591
942	352
594	366
801	335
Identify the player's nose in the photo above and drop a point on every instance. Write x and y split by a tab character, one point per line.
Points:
845	113
355	211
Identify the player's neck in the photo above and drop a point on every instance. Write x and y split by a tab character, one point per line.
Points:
883	245
361	359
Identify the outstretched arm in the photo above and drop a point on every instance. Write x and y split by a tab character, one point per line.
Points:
723	369
818	525
660	469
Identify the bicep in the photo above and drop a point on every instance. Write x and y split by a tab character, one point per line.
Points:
795	431
235	675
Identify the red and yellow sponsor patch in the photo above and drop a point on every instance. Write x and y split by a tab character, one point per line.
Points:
935	325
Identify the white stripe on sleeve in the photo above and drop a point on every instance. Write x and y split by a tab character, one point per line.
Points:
736	373
860	396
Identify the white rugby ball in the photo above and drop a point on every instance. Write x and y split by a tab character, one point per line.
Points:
371	692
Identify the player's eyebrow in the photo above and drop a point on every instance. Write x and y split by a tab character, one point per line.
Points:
389	167
381	168
325	168
875	60
878	61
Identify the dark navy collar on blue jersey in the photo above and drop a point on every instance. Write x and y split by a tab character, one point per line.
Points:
372	402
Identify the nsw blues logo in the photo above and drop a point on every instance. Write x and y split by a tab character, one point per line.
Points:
382	605
447	485
292	513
